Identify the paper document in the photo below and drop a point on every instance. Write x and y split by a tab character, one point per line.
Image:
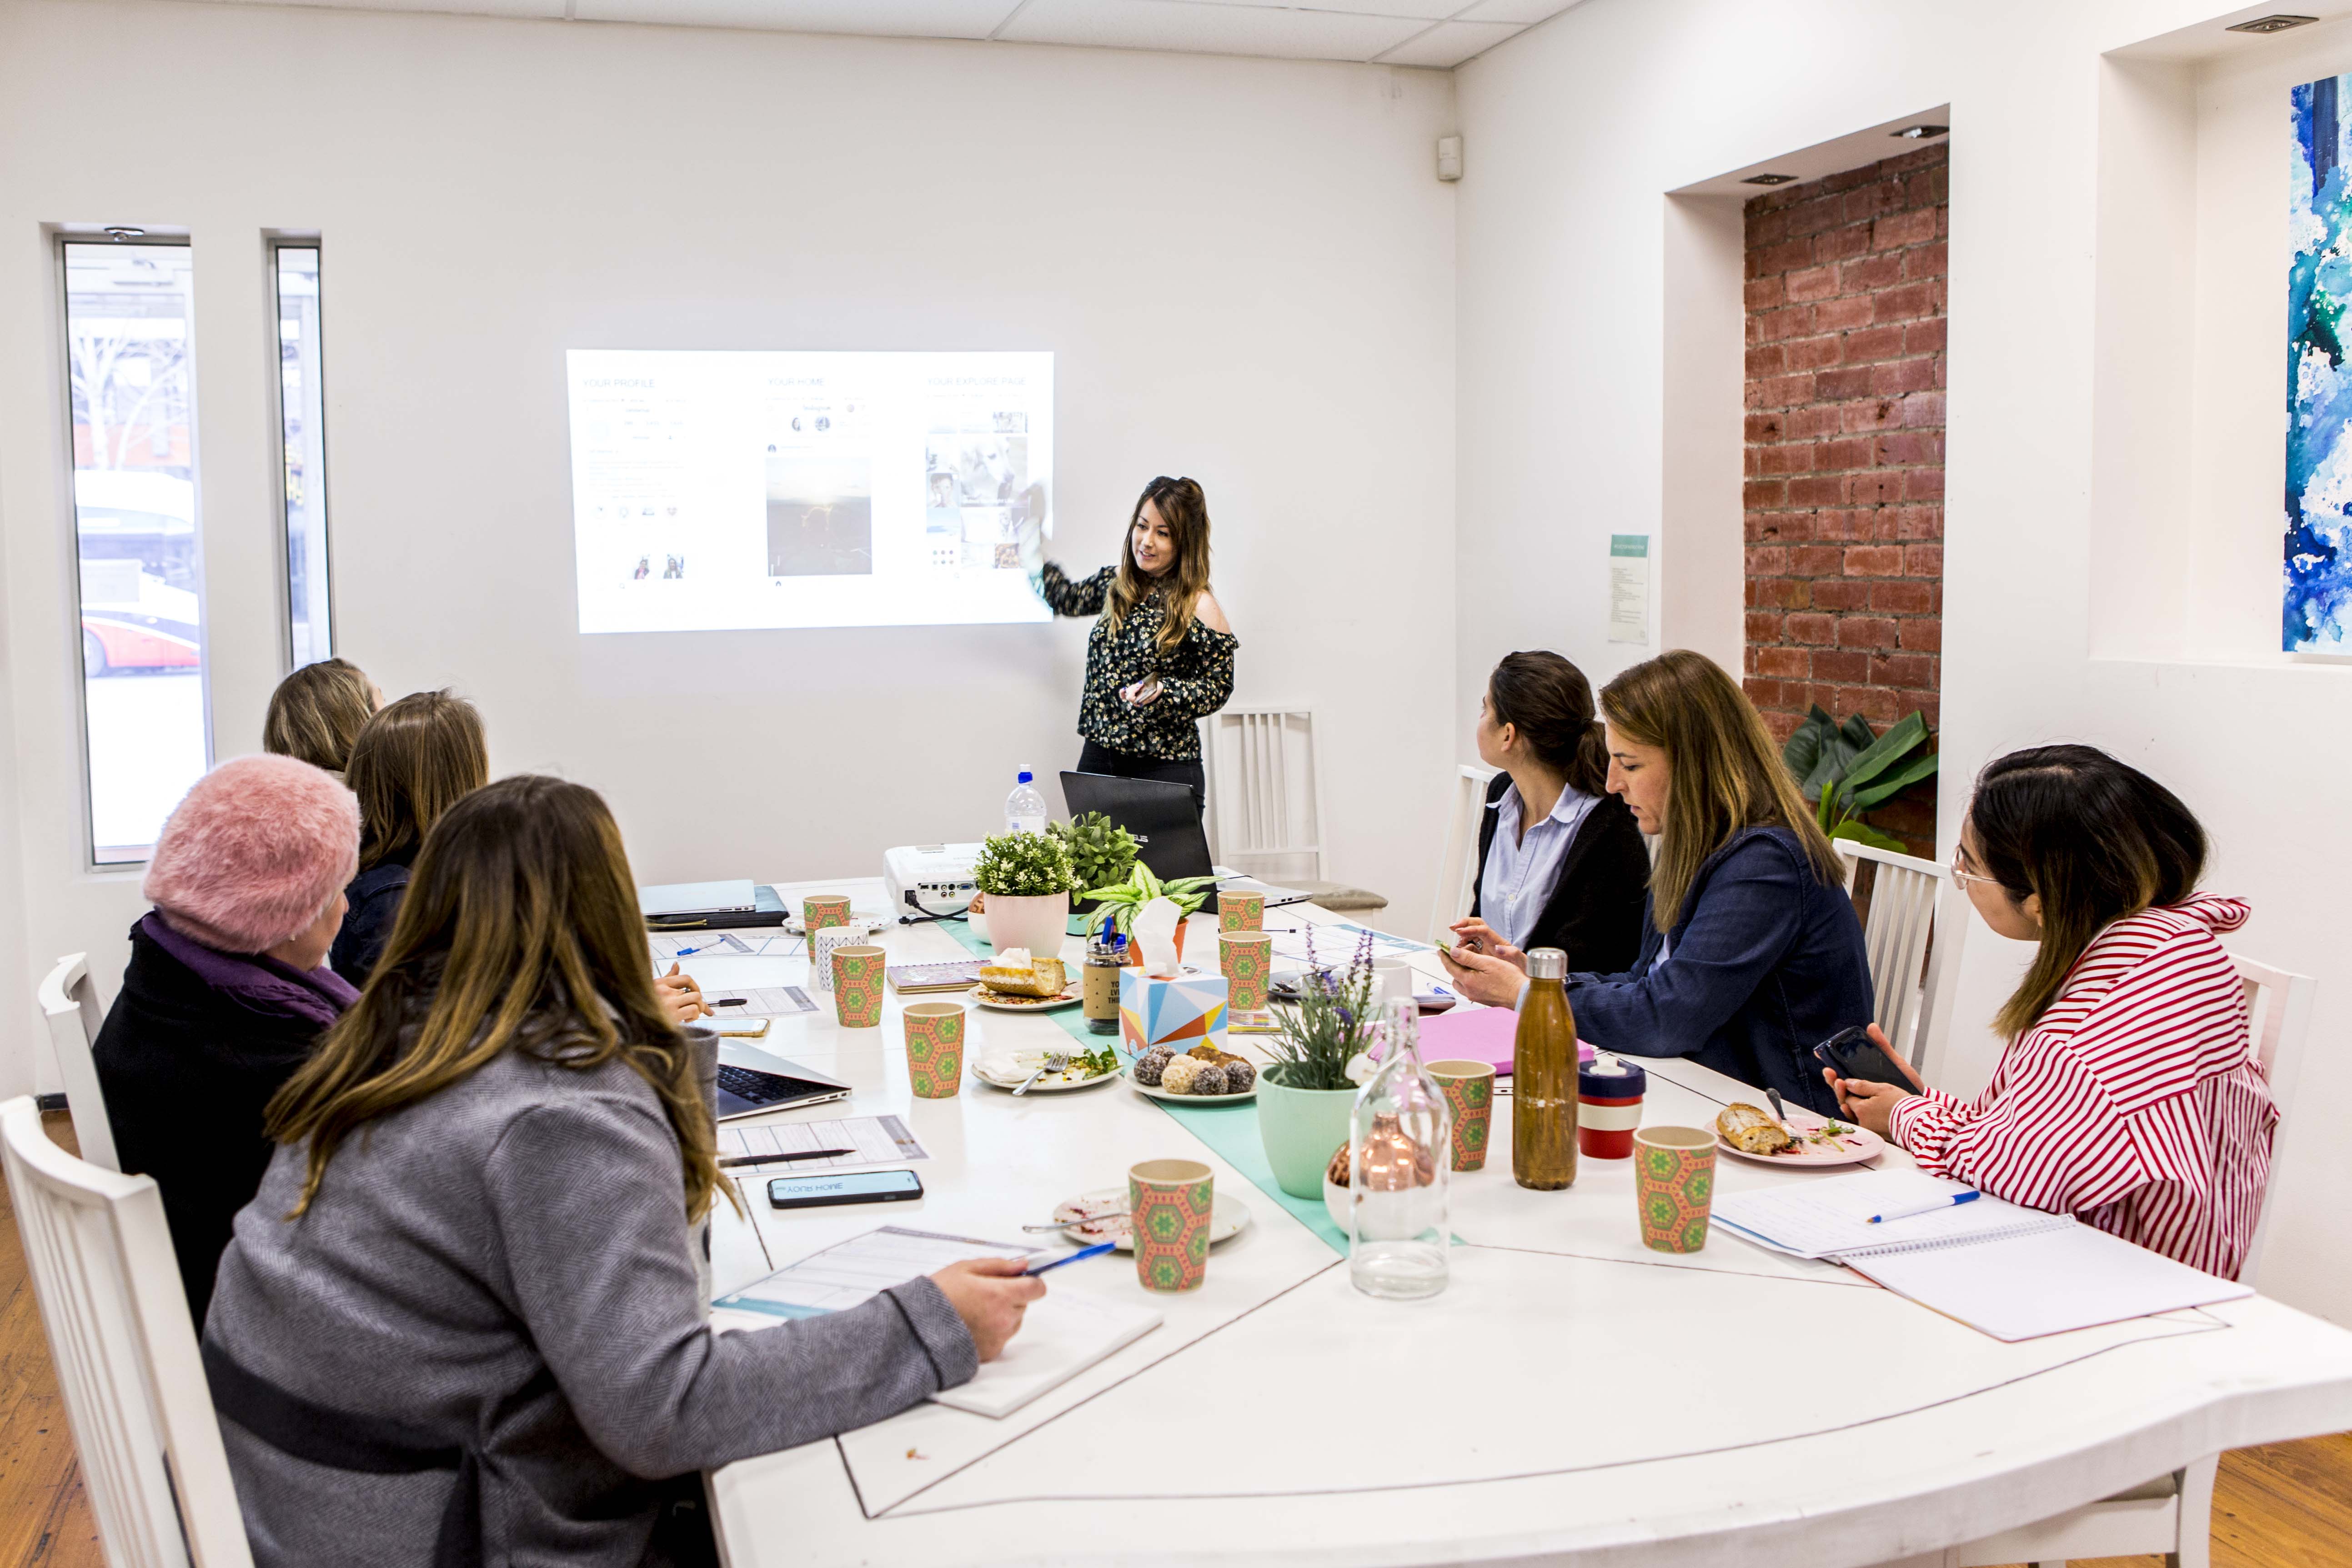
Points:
759	1000
699	944
877	1140
1830	1219
1335	941
2071	1277
853	1271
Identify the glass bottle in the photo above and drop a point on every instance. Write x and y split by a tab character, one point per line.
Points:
1106	962
1401	1144
1543	1079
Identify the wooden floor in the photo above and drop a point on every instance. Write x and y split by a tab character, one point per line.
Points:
2286	1506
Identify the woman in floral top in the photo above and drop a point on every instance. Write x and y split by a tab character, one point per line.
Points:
1162	656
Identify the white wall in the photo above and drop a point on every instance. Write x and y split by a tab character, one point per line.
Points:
1574	133
1246	266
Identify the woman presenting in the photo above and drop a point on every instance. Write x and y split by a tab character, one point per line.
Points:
1162	656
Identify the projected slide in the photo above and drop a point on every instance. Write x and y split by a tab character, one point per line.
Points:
752	489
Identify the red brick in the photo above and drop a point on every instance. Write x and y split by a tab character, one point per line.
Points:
1897	230
1923	637
1867	344
1868	201
1812	420
1873	487
1843	315
1929	707
1814	283
1866	632
1907	448
1840	593
1842	665
1812	353
1783	391
1869	414
1911	301
1927	261
1768	560
1783	725
1786	662
1918	521
1784	256
1923	560
1761	692
1815	216
1816	489
1837	385
1917	671
1811	627
1852	452
1923	484
1876	560
1924	337
1841	245
1781	592
1767	360
1902	597
1786	527
1923	409
1763	293
1759	493
1764	426
1893	378
1763	626
1865	273
1778	326
1815	559
1878	705
1782	459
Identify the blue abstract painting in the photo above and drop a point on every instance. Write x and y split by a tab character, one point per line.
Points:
2317	601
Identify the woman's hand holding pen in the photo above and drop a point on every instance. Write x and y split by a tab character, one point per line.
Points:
677	991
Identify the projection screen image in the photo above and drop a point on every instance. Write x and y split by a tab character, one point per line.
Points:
750	490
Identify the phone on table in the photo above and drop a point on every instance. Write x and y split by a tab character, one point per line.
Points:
847	1187
738	1026
1852	1053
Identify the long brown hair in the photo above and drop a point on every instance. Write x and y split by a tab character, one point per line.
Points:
416	760
1186	511
1723	771
317	712
1549	700
520	932
2096	838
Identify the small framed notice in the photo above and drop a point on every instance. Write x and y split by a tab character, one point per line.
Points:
1629	587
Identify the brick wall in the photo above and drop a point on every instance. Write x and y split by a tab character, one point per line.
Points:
1845	491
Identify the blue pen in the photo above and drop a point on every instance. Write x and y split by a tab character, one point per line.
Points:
1096	1250
1943	1202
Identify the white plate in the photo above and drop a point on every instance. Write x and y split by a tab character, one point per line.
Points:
1155	1092
1229	1217
1005	1069
1861	1142
999	1002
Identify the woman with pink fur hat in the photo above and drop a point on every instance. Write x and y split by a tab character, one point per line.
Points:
228	989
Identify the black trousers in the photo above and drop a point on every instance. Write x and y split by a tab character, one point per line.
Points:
1101	759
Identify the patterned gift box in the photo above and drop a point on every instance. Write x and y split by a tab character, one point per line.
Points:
1179	1013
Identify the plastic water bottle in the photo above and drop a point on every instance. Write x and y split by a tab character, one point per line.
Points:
1025	809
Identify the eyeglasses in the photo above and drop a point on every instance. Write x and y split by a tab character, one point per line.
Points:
1965	877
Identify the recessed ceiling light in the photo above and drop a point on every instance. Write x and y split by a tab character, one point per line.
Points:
1768	178
2277	23
124	231
1921	132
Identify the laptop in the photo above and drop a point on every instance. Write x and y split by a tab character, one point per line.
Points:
1165	819
751	1083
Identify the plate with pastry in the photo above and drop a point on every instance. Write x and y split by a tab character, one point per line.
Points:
1017	982
1101	1215
1753	1134
1202	1076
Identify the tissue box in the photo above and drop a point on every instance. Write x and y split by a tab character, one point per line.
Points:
1179	1013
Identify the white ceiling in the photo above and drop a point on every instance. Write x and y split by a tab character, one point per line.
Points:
1439	33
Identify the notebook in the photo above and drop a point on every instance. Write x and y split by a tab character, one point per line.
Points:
1478	1035
961	974
2012	1272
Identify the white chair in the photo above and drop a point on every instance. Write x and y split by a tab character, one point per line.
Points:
1457	866
2173	1515
1266	802
1916	924
117	1317
70	1002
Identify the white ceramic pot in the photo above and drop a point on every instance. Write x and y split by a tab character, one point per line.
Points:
1038	924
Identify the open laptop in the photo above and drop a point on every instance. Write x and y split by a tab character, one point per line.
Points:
752	1082
1166	822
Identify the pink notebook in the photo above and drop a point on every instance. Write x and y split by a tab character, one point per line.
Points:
1477	1035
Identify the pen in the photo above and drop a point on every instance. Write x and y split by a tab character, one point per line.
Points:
1096	1250
1943	1202
729	1002
734	1160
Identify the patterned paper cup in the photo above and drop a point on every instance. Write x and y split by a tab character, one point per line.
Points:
1240	912
823	945
1247	959
821	909
1171	1201
1470	1089
857	986
1674	1187
934	1049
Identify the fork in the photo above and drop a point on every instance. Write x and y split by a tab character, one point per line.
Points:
1082	1219
1055	1061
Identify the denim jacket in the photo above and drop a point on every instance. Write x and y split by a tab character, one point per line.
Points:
1767	963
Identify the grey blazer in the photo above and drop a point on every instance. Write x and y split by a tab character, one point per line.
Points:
506	1267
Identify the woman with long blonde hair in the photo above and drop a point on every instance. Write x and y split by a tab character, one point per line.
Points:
1751	954
461	1322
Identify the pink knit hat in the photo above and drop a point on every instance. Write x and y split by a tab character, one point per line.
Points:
253	852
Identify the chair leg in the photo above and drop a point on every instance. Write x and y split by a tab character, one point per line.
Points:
2194	1546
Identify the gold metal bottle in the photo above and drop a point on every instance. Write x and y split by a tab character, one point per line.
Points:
1543	1079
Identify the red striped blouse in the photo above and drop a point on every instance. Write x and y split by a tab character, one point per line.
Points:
2135	1103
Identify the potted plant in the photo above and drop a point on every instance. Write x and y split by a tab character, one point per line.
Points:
1844	769
1116	905
1305	1096
1103	852
1026	879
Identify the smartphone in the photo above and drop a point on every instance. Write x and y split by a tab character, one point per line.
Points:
738	1026
847	1188
1853	1054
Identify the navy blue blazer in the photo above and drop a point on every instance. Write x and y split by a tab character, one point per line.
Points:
1767	963
375	894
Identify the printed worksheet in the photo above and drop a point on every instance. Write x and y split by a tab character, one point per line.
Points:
876	1140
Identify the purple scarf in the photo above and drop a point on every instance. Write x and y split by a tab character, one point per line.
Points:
255	979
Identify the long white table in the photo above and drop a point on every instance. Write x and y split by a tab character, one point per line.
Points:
1572	1397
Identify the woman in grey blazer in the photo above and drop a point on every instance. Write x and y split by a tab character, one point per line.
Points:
461	1324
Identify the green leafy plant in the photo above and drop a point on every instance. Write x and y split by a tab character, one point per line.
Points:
1102	851
1119	900
1025	866
1330	1024
1844	769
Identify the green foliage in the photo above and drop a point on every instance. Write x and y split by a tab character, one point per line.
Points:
1331	1021
1025	866
1844	769
1102	851
1119	900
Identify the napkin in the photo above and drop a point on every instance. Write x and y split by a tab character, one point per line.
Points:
1155	937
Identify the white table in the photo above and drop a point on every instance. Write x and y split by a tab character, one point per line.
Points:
1572	1397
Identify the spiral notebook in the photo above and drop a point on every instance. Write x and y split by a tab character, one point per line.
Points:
2011	1272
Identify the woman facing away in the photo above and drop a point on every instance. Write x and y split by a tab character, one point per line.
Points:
1162	656
461	1321
317	712
1751	954
411	762
1562	863
2128	1093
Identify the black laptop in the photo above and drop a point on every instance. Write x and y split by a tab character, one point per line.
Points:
1165	819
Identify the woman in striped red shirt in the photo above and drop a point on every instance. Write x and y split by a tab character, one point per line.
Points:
2129	1094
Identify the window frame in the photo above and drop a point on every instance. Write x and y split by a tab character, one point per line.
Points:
320	580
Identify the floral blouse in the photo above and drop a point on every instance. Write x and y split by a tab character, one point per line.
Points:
1196	676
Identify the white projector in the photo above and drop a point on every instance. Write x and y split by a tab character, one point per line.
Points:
929	878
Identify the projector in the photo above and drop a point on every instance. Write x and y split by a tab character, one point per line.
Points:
930	879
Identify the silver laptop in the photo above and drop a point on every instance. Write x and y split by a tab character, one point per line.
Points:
753	1083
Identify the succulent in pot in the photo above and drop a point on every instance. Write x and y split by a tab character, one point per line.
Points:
1026	879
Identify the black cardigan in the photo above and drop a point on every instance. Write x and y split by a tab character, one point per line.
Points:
1595	910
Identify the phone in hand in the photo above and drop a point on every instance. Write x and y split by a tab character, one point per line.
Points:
1852	1053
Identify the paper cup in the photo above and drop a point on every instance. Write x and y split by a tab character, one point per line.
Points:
821	909
825	943
1240	912
1246	958
1171	1201
934	1049
1470	1090
1392	979
1673	1185
857	986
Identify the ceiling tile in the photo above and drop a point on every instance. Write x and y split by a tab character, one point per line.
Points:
1450	43
543	9
1209	29
888	18
1417	10
1521	11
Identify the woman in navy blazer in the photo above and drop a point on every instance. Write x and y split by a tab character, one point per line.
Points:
1751	954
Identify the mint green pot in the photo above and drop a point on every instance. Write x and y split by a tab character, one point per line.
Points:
1303	1127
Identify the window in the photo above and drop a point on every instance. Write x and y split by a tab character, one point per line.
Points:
302	424
129	365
